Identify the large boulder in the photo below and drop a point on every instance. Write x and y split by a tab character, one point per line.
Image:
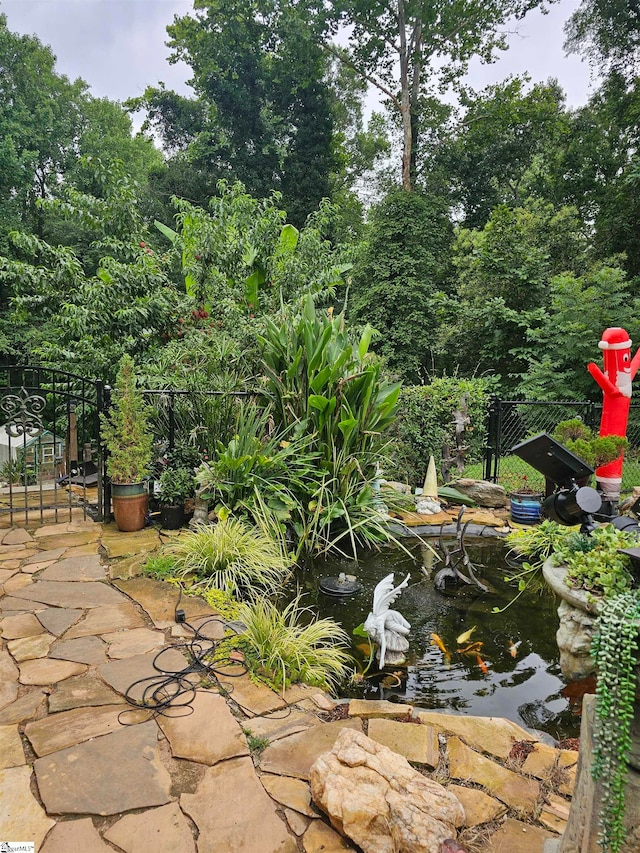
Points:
482	492
374	796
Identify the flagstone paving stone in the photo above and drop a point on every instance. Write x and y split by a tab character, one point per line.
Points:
75	836
494	735
24	708
82	550
82	691
10	564
122	674
45	671
233	812
366	709
162	830
74	781
58	619
29	648
297	823
208	735
62	527
540	761
43	556
106	620
141	542
5	550
9	605
137	641
418	743
294	755
17	627
255	698
514	836
72	594
5	574
89	650
60	731
68	540
281	724
16	536
321	838
159	600
8	679
17	582
22	818
75	569
11	751
32	568
125	568
478	806
294	793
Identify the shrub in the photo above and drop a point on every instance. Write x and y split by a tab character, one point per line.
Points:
125	429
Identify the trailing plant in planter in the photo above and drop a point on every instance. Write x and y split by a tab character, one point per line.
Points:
614	649
594	562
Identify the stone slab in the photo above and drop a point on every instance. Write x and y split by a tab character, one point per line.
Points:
115	773
297	823
11	751
294	755
21	605
32	568
89	650
5	574
253	828
367	709
67	540
541	761
118	544
17	582
17	627
517	792
255	698
11	550
493	735
58	619
321	838
162	830
8	679
207	735
68	728
29	648
159	600
82	550
10	564
82	691
16	536
72	595
121	674
75	569
61	527
23	818
75	836
418	743
293	793
137	641
24	708
478	806
516	836
106	620
42	556
281	724
45	671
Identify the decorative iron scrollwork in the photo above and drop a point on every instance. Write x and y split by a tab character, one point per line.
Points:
23	411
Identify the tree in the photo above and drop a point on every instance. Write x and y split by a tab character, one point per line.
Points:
608	33
416	43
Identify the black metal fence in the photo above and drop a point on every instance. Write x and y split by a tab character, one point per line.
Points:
511	421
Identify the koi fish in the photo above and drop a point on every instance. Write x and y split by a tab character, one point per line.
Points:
464	638
472	649
482	664
513	648
436	641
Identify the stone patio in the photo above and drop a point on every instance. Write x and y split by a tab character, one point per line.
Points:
80	769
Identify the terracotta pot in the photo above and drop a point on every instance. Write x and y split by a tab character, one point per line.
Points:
130	503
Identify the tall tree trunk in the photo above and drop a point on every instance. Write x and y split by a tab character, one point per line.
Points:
405	100
416	52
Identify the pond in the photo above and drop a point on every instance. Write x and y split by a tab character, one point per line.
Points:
517	675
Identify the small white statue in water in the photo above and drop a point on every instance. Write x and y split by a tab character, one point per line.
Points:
388	629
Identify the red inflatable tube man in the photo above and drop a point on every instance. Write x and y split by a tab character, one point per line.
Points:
619	372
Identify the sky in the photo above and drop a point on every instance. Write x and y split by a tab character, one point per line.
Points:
118	46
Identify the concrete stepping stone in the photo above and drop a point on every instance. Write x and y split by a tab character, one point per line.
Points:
281	724
321	838
8	679
16	536
233	812
509	787
45	671
159	600
23	818
294	755
45	556
208	735
71	594
106	620
163	830
516	836
81	691
121	674
493	735
17	627
75	836
30	648
24	708
57	619
89	650
11	751
5	574
418	743
60	731
478	806
293	793
118	544
137	641
67	540
75	569
115	773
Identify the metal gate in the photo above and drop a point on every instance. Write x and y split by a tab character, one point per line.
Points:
51	459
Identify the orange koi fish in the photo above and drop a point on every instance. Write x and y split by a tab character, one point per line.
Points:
482	664
436	641
472	649
513	648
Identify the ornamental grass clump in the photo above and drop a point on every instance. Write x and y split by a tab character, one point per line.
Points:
281	650
231	556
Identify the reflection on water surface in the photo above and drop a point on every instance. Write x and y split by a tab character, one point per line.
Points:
525	688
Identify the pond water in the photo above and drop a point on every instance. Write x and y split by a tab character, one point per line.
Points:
527	688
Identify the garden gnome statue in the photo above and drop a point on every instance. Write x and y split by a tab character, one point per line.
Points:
427	503
388	629
619	372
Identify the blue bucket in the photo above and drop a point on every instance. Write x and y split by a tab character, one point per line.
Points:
526	509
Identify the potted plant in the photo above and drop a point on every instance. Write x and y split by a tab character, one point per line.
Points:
526	503
176	486
128	441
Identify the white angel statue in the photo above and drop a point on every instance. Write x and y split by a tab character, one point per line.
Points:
388	629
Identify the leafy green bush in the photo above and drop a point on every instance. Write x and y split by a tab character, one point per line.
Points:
176	485
594	562
594	449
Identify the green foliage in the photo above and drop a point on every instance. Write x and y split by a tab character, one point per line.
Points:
425	424
595	450
614	649
281	650
594	562
176	485
230	556
125	430
160	566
